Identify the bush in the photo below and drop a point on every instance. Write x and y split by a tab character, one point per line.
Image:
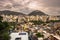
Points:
39	35
5	36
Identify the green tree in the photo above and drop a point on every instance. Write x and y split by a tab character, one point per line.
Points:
4	30
1	18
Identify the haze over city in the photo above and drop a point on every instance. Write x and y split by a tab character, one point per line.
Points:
29	19
51	7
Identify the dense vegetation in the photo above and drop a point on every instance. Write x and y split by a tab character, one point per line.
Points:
4	30
37	22
44	23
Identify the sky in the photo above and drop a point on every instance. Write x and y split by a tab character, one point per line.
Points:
51	7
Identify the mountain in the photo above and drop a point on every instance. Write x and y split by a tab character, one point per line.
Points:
37	12
7	12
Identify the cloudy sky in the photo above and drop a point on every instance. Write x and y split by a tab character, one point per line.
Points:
51	7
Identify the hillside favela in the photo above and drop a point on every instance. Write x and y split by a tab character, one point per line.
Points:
29	20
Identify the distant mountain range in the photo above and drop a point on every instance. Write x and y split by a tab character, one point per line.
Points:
7	12
36	12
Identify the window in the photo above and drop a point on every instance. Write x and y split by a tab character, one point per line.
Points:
18	39
22	33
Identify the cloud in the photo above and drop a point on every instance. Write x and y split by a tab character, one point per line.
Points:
51	7
50	3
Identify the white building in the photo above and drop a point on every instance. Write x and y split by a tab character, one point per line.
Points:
19	36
